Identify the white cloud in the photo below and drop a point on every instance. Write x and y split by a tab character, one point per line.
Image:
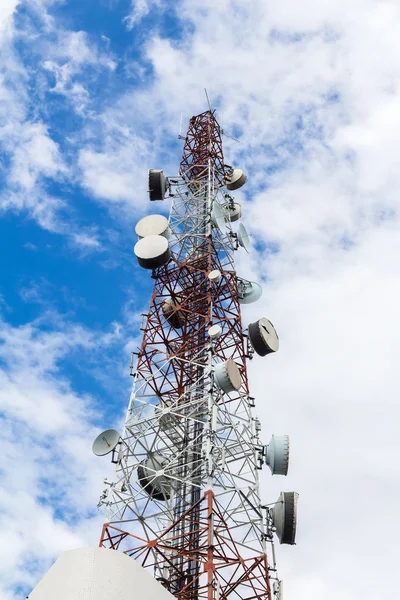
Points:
7	9
334	387
114	160
50	482
86	240
34	154
31	157
31	154
71	57
115	174
139	10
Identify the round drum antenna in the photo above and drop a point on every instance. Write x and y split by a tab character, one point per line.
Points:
233	211
215	332
236	179
284	517
174	316
158	184
227	376
151	477
263	337
152	251
276	454
214	276
153	225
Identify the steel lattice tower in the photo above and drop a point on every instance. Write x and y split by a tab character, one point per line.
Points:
185	501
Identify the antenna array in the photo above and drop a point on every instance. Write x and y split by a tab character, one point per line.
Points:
185	500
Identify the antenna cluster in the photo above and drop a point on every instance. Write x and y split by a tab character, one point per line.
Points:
185	502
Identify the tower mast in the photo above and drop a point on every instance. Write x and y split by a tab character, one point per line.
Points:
185	501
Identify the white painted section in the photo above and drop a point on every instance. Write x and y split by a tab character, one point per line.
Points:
98	574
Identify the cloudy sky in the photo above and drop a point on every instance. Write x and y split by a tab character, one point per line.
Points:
92	94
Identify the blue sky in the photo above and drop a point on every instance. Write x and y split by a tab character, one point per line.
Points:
92	95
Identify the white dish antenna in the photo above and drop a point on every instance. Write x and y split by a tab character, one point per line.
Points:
263	337
158	184
214	276
218	217
153	225
248	291
105	442
227	376
276	454
284	517
235	179
244	238
152	251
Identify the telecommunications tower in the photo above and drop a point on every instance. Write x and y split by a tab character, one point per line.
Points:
185	501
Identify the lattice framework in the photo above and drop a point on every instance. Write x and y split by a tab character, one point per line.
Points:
206	540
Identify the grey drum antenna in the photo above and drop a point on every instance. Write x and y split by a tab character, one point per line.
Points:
276	454
263	337
284	517
158	184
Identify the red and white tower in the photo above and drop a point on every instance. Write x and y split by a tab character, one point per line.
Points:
185	500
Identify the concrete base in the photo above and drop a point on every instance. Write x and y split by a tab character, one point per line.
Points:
98	574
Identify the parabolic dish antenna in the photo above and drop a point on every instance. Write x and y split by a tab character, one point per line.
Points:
284	517
227	376
218	217
152	251
233	212
236	179
249	291
244	238
153	225
158	487
263	337
105	442
276	454
158	184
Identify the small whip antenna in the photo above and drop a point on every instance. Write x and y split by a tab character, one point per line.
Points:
208	99
180	136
